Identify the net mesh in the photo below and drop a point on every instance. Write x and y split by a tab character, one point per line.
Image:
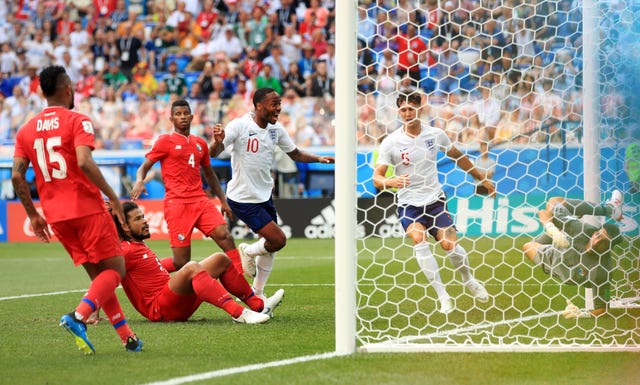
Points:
510	74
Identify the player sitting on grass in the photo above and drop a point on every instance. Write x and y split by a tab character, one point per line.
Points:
575	252
161	297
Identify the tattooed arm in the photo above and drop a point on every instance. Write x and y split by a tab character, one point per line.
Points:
21	188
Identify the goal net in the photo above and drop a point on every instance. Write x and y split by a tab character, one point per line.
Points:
551	86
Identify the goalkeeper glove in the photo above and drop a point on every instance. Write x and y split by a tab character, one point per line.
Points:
572	311
560	239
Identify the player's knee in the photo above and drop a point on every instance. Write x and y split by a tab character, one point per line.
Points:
278	242
447	245
192	268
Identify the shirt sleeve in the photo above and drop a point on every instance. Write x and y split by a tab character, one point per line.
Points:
83	133
284	140
18	151
231	133
443	141
158	150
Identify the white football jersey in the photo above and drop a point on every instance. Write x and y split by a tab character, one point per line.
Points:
416	157
252	152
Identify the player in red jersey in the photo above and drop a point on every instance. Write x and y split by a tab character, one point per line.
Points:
58	142
161	297
186	205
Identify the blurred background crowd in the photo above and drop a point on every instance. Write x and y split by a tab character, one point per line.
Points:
498	70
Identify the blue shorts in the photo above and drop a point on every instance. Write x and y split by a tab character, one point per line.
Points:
434	216
255	215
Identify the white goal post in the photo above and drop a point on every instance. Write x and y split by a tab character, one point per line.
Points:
380	319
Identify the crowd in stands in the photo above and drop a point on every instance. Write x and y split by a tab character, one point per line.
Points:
499	70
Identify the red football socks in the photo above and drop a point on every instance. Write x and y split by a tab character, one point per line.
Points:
102	287
211	291
116	316
234	256
235	283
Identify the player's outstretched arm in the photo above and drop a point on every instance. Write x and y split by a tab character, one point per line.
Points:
464	163
307	157
139	187
21	188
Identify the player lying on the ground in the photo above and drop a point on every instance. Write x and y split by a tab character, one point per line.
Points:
575	252
161	297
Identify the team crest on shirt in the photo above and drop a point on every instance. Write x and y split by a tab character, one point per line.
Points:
87	127
198	147
273	134
431	144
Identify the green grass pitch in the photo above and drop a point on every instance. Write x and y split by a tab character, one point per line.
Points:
39	283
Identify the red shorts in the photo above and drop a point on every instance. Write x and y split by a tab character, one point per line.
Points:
169	306
183	216
89	239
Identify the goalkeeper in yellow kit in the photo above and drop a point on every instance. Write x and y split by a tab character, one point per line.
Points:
575	252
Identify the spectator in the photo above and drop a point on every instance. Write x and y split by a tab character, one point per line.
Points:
286	16
227	43
128	47
176	82
486	114
291	43
71	67
119	15
39	52
79	37
30	84
319	43
366	27
329	57
294	80
114	78
207	16
320	84
251	65
259	33
321	13
278	62
162	93
220	88
412	51
205	79
267	80
448	70
144	79
9	62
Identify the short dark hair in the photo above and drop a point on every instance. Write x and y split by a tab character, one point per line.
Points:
51	78
260	94
127	207
180	103
411	98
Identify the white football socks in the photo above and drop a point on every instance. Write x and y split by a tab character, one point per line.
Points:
264	264
460	260
256	248
429	266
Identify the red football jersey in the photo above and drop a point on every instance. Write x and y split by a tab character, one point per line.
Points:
49	142
180	160
145	277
